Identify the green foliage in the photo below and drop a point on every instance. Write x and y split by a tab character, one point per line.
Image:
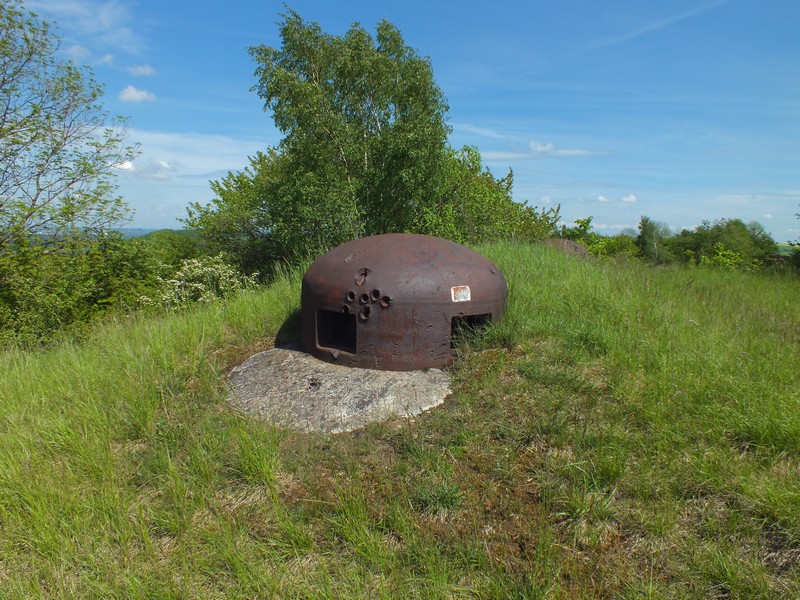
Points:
59	266
204	279
252	220
363	118
794	258
47	294
724	258
651	241
581	232
727	243
478	208
169	246
365	152
56	149
364	146
621	245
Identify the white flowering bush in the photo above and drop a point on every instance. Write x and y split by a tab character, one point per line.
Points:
204	279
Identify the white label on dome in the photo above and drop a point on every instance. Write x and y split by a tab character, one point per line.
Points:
461	293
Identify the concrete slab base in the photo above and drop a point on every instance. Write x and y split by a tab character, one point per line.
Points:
293	389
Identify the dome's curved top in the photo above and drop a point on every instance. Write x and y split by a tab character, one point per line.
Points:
420	264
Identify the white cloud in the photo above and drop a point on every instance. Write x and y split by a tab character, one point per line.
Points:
174	170
483	131
131	94
766	216
155	170
195	154
788	195
629	198
740	198
149	169
534	148
77	52
602	198
499	155
103	21
81	54
611	226
540	148
550	149
537	150
141	70
125	165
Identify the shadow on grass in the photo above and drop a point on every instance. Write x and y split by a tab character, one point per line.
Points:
288	336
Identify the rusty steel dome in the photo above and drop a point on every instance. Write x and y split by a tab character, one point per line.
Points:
395	301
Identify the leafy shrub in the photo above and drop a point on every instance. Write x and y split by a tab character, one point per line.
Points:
724	258
727	243
47	293
169	246
794	258
475	207
202	279
621	245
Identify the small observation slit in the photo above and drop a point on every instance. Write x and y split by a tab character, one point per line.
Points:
336	330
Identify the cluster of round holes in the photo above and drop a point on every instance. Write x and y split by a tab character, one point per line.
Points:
364	299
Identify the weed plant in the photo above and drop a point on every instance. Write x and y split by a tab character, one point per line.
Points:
626	431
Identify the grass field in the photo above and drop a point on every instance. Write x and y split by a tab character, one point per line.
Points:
626	432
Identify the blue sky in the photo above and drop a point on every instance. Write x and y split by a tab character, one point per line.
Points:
679	110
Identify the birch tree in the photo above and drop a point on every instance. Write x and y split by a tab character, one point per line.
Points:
58	147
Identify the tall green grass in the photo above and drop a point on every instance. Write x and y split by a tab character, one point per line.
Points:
626	431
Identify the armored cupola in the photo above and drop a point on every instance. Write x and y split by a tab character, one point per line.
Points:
395	301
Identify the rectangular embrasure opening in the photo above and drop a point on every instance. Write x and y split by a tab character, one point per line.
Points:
336	330
467	326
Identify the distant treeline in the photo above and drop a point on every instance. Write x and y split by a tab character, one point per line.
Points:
725	243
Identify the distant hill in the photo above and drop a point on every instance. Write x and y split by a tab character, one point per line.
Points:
132	232
189	233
